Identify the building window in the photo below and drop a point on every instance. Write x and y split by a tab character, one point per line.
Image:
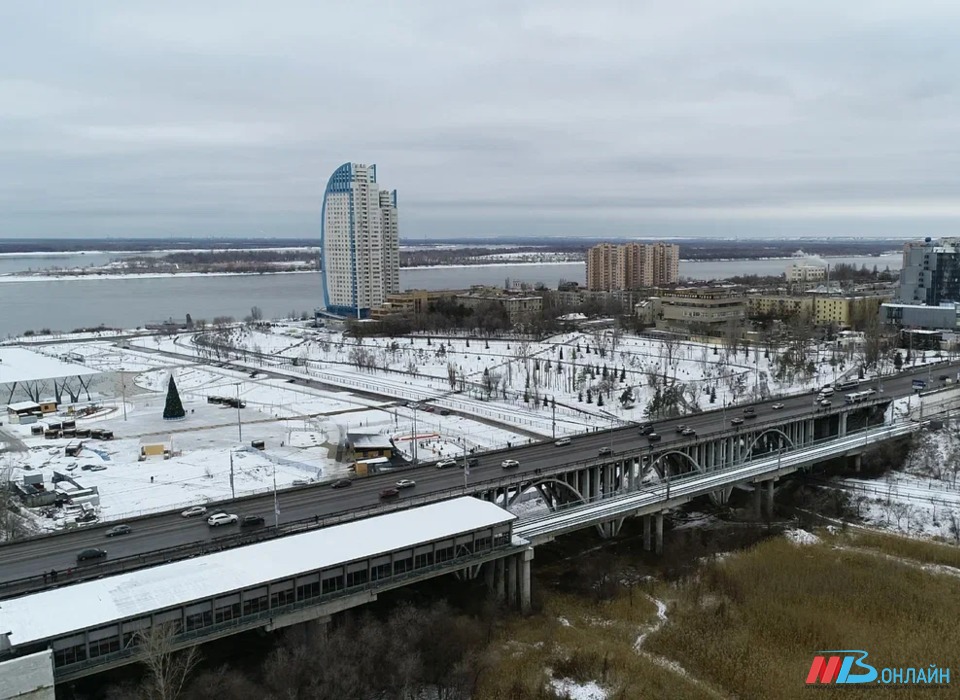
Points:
281	598
356	578
421	561
200	619
101	647
309	590
226	613
252	606
70	655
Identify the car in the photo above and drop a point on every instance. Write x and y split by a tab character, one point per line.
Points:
646	429
689	432
605	451
680	428
98	468
341	484
826	402
87	467
736	421
943	377
119	530
562	442
302	482
749	410
389	493
218	519
193	511
405	484
752	414
291	381
509	464
473	462
252	521
444	412
446	463
777	406
429	409
93	553
654	437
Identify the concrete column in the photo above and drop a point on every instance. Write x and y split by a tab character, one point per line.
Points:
659	543
597	484
512	580
501	580
488	575
586	485
525	560
647	525
756	500
857	459
768	498
843	425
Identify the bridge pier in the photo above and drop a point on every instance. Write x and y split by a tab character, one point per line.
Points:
659	538
525	598
768	498
843	425
756	500
647	525
857	461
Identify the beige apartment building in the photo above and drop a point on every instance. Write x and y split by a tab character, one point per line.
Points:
632	266
700	308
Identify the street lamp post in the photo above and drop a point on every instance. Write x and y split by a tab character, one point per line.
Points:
414	451
276	503
239	425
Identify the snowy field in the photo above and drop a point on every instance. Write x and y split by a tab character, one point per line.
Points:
304	430
567	384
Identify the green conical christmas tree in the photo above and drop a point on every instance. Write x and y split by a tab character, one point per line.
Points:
173	409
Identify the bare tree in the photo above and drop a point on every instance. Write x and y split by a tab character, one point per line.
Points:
167	669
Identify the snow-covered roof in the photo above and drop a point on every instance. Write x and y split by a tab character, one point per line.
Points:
58	612
370	441
22	365
22	406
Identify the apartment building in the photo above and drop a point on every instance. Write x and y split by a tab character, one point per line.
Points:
632	266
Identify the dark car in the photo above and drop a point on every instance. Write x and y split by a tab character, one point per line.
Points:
90	554
749	411
646	429
689	432
736	421
252	521
473	462
119	530
680	428
389	493
341	484
606	451
654	437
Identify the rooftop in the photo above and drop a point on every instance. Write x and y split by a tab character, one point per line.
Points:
61	611
23	365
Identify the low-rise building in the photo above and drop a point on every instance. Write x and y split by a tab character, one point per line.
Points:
804	273
921	317
412	302
781	306
371	445
520	306
17	412
701	309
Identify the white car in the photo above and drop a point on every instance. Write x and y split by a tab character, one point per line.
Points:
218	519
446	463
406	484
777	406
562	442
194	511
509	464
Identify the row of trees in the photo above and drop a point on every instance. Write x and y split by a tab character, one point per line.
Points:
431	651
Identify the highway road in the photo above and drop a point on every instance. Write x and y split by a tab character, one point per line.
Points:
58	552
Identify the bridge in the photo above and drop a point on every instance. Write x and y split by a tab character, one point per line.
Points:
574	473
100	624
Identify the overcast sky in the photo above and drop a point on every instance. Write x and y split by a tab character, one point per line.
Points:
645	117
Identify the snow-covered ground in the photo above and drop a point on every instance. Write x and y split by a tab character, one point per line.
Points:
566	384
923	499
301	426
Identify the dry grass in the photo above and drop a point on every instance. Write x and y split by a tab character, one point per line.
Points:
751	623
596	645
918	550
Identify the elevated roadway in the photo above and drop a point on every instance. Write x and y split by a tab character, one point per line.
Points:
169	531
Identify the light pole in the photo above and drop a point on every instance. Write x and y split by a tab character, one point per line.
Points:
276	503
414	451
239	426
123	390
466	464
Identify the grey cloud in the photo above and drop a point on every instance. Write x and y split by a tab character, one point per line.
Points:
128	117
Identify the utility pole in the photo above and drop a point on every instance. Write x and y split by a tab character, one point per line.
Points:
414	451
554	403
239	428
123	391
276	504
466	464
233	493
